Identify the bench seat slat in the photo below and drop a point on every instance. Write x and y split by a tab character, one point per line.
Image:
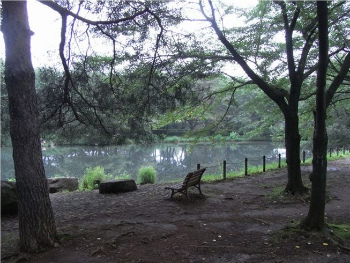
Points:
176	186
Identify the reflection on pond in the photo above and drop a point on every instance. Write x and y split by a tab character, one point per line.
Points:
172	161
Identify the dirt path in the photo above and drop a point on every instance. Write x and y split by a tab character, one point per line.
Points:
236	221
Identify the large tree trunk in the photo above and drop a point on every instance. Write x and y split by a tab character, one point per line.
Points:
315	217
37	228
292	141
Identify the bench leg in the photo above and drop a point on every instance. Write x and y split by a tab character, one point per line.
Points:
186	193
172	193
199	188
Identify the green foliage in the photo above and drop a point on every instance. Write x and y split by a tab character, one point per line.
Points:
277	194
147	175
203	100
342	231
172	139
219	138
288	232
211	177
234	136
92	174
336	156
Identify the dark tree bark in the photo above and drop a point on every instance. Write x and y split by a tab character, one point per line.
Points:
37	228
292	141
315	217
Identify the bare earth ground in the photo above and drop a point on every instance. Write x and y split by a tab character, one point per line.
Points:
236	221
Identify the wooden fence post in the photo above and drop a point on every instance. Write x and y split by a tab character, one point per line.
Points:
304	156
279	160
246	166
264	163
224	169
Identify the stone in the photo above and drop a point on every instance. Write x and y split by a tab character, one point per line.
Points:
8	198
63	184
117	186
9	192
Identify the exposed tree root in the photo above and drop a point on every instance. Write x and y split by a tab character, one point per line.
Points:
334	239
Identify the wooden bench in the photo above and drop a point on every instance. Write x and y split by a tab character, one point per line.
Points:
191	179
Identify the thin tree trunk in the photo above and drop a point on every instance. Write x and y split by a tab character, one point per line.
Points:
315	217
37	228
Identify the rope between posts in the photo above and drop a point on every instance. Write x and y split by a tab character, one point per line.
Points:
264	159
234	163
212	166
255	160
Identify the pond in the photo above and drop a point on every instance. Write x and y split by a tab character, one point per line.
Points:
172	161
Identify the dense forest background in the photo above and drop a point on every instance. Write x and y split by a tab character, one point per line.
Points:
157	80
249	115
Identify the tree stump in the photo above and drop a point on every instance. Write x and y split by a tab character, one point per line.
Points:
120	186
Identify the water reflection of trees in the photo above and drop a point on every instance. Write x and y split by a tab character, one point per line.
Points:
169	155
170	161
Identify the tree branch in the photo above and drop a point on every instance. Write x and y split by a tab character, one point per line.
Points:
344	70
66	12
273	93
289	41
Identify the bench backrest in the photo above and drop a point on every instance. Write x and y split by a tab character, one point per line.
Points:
193	178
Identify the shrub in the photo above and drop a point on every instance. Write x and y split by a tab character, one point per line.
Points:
123	177
147	175
91	175
234	136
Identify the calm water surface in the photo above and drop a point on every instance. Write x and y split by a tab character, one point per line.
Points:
172	161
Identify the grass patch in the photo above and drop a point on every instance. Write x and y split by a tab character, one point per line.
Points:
235	174
335	156
277	194
147	175
287	233
91	176
211	177
294	234
342	231
254	170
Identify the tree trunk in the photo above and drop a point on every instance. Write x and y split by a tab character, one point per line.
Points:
292	141
315	217
37	228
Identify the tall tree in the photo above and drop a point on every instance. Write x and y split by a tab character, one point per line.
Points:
316	215
37	225
315	218
135	83
37	228
297	55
